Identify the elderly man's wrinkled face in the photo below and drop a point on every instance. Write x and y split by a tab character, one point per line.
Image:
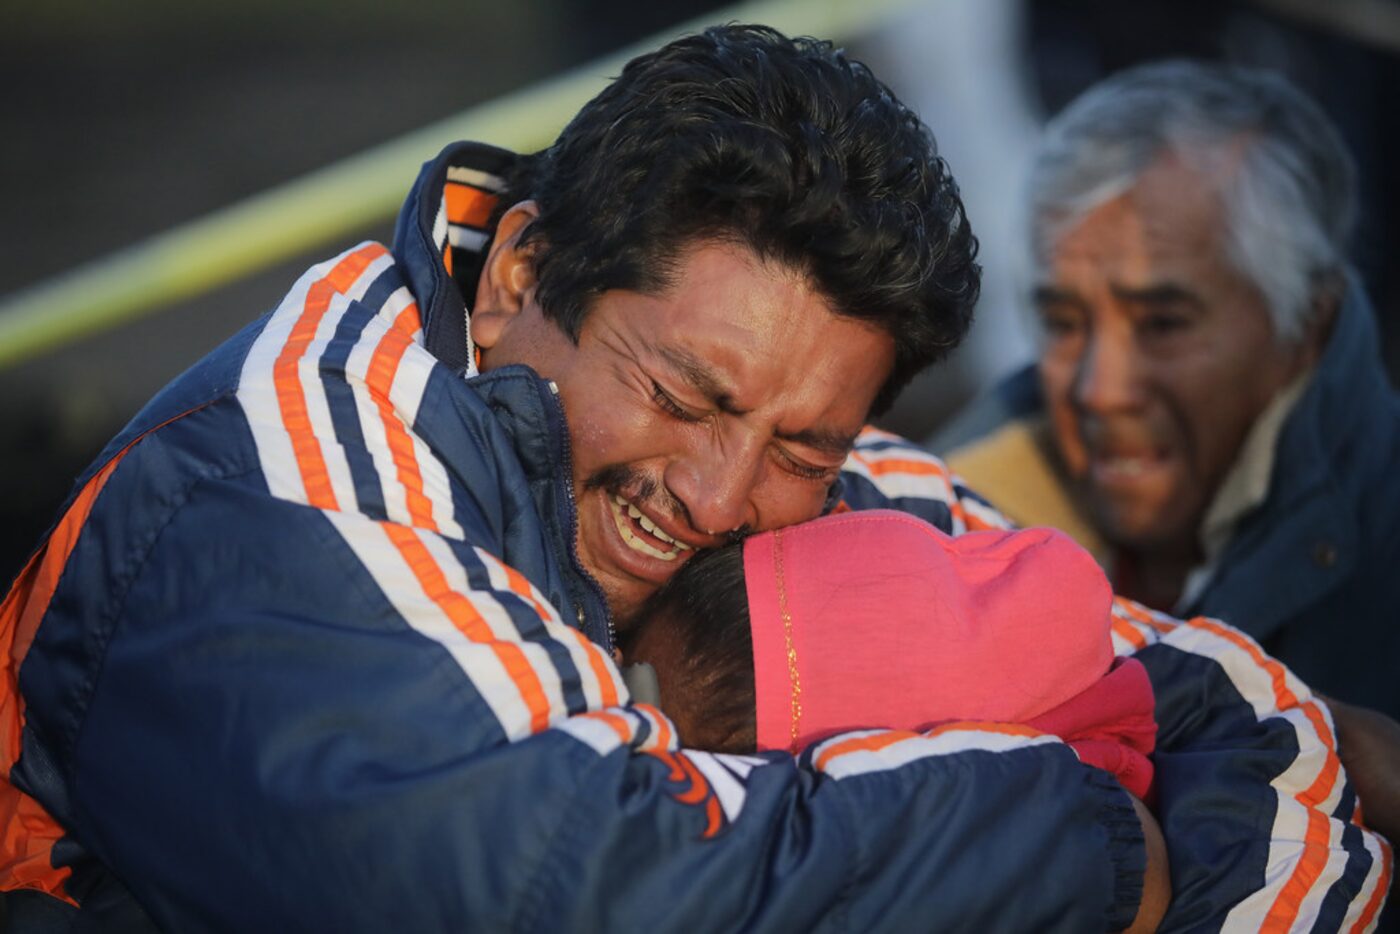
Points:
728	402
1158	355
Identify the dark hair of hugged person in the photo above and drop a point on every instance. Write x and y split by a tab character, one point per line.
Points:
708	683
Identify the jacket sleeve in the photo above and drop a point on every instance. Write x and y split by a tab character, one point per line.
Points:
885	471
408	738
1262	826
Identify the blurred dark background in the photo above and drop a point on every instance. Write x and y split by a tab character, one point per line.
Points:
124	120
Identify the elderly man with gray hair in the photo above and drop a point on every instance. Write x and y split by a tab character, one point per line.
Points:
1209	414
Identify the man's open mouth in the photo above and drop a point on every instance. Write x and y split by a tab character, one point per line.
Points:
641	534
1125	466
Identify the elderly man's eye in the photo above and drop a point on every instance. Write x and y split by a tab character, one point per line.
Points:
1162	324
1060	323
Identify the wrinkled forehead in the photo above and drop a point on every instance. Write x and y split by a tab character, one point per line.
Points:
756	335
1068	187
1171	216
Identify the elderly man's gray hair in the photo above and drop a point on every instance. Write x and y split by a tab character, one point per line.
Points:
1285	179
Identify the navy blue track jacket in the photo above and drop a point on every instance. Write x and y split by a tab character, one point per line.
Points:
310	650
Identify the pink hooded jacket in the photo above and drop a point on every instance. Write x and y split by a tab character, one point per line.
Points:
877	619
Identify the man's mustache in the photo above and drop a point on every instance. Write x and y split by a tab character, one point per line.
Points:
630	483
626	481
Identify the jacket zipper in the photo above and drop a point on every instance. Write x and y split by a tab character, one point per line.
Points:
560	429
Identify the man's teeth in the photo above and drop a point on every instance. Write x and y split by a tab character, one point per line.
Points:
633	541
1126	466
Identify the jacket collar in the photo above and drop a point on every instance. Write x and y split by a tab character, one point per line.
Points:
528	410
1348	385
1308	523
441	239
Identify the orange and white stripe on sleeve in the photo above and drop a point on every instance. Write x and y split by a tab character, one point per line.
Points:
864	751
279	387
902	470
1306	852
388	372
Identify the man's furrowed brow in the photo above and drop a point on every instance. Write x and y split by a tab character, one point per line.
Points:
702	377
1047	296
1157	293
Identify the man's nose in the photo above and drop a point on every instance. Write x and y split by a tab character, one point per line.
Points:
1109	375
715	482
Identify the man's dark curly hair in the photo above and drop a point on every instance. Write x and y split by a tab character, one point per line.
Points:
783	145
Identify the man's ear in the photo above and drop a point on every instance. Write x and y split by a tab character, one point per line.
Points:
507	282
1326	303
